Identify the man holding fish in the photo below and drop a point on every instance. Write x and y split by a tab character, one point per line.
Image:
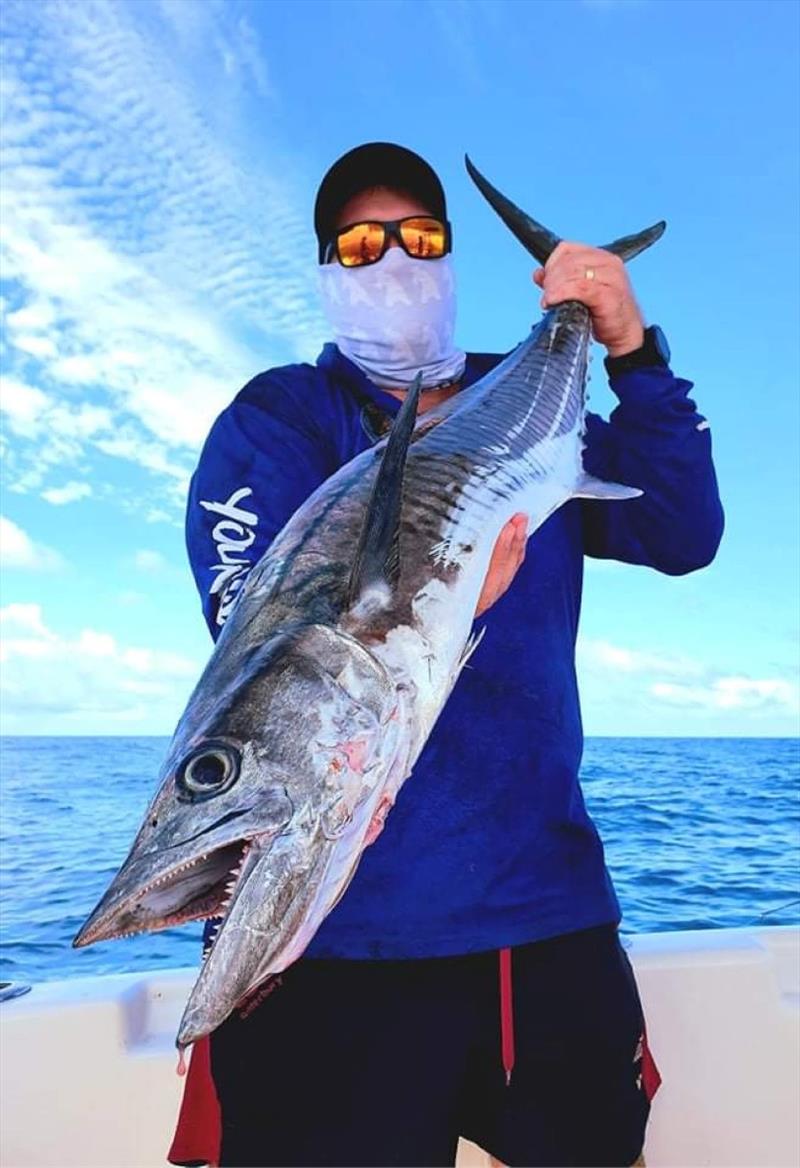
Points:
470	980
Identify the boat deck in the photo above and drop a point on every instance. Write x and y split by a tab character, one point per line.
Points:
87	1067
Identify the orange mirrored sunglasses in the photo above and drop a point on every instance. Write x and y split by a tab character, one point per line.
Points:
420	236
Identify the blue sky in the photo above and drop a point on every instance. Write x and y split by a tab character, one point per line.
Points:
160	163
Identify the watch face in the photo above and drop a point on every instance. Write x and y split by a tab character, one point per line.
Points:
660	342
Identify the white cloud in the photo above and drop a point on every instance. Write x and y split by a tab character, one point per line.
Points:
732	693
154	269
67	679
25	619
36	345
131	597
154	456
38	316
58	432
18	550
628	679
69	493
63	434
147	560
607	656
24	406
247	52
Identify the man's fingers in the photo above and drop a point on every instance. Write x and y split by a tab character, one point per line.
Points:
589	292
617	320
509	552
507	556
506	538
519	527
563	277
571	253
577	267
603	274
606	267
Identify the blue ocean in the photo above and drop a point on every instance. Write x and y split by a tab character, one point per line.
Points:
699	834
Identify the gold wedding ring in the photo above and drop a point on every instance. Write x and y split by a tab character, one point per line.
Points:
590	273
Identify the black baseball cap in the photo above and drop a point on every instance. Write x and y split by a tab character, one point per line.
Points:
375	164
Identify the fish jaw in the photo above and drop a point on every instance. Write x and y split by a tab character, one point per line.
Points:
162	884
192	840
271	895
285	891
288	886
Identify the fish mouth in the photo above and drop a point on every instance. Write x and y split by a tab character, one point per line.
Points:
267	923
167	881
188	890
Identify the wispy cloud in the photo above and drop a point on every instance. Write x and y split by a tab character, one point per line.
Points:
683	682
732	693
65	680
148	274
605	655
149	561
69	493
18	550
612	5
459	23
131	597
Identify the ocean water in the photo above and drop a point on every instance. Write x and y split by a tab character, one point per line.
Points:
699	833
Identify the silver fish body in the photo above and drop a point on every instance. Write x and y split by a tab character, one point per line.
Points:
329	675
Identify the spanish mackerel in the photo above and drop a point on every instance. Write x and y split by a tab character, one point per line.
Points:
335	663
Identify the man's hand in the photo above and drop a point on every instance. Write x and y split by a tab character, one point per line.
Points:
508	554
616	320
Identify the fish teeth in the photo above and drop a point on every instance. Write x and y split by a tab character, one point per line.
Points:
173	872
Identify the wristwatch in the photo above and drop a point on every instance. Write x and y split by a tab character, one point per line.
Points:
654	352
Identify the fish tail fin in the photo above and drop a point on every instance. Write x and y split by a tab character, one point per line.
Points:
535	238
631	245
539	240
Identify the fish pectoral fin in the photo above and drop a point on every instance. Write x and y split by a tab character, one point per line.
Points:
377	558
588	487
473	641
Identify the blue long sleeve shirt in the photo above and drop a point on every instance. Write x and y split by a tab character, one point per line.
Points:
489	844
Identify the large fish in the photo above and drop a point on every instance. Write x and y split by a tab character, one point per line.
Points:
342	650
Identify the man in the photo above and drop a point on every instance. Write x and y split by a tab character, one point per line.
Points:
471	981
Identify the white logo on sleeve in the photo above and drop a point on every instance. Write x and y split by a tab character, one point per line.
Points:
233	535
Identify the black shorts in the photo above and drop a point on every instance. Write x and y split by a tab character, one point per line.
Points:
388	1062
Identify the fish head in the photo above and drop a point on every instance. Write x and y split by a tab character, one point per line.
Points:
299	734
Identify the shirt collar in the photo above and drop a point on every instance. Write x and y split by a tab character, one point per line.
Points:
333	362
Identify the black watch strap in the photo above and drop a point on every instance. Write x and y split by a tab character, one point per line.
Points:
654	352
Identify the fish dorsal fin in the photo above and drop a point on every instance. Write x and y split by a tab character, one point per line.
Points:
539	240
377	558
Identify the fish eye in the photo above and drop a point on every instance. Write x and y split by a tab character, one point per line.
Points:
208	771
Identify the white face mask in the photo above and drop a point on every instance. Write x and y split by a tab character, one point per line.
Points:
395	318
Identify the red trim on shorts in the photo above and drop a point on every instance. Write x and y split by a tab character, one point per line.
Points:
651	1079
198	1132
506	1014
